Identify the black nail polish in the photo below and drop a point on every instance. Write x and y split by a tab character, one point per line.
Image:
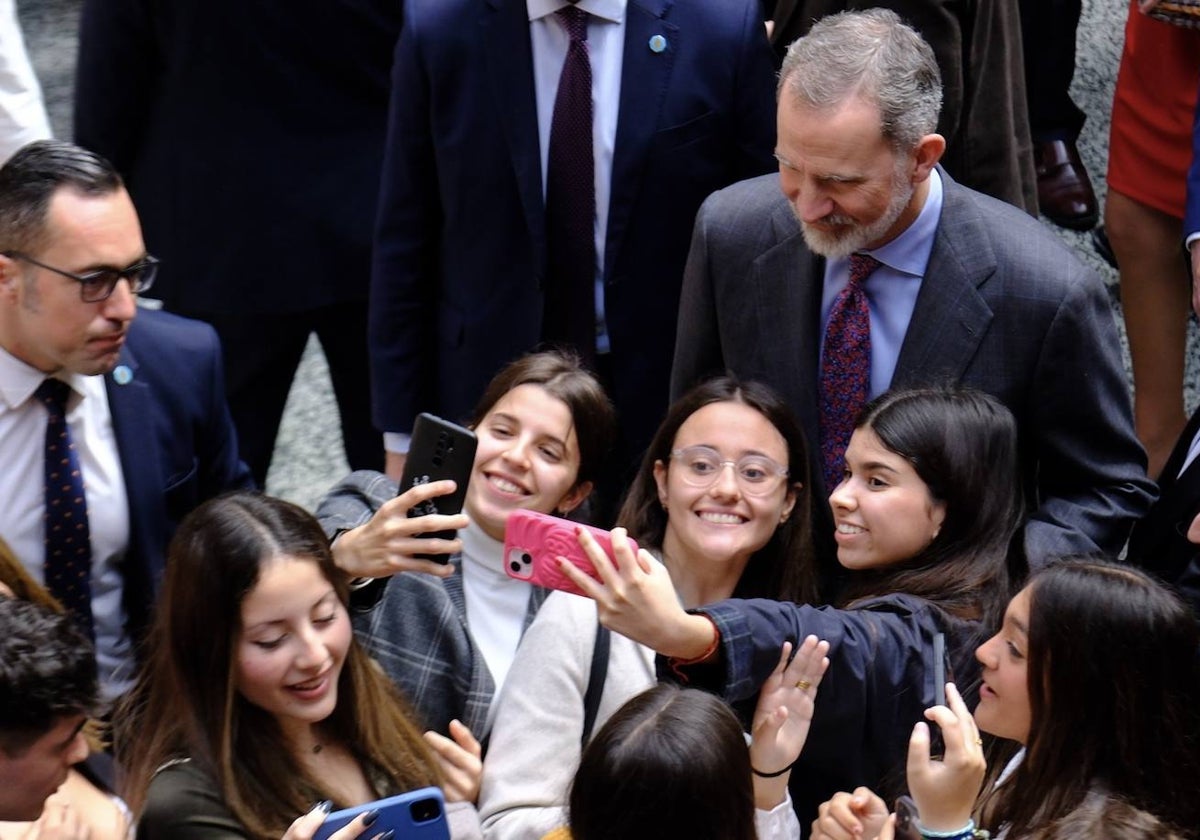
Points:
369	818
387	835
324	806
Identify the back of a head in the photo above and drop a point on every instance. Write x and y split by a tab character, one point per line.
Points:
1103	817
871	55
47	672
1113	690
670	763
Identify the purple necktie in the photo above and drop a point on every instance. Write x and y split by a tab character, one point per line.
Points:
68	566
845	368
570	308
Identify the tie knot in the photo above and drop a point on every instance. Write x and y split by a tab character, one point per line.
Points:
861	266
53	393
575	21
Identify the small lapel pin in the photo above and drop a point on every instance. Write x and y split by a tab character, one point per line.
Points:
122	375
658	43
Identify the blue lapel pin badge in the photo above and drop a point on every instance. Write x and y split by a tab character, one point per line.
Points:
122	375
657	43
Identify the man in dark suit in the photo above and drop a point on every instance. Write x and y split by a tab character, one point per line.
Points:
250	134
141	402
682	99
969	291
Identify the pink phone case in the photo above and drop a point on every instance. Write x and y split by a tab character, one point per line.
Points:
534	541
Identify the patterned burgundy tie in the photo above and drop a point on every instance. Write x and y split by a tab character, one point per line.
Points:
570	308
68	567
845	368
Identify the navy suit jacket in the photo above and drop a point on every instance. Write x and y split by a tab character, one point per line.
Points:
175	437
1004	307
460	248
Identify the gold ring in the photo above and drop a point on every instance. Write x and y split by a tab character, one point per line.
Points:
979	742
803	684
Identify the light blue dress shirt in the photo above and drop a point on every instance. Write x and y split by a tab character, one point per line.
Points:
892	288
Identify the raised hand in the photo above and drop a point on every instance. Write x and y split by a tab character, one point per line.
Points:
460	760
945	791
635	597
385	545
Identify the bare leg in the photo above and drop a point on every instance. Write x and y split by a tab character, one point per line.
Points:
1155	293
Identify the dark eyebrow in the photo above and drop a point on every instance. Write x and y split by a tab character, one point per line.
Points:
878	465
1020	625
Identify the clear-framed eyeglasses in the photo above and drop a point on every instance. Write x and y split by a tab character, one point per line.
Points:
757	475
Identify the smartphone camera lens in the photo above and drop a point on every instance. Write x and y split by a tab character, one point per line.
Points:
424	810
526	558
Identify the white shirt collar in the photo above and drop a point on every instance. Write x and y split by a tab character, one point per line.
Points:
610	10
19	380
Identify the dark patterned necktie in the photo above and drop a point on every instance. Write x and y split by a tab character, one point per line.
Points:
570	308
845	368
68	566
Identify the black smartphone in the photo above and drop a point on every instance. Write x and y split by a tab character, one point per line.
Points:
907	819
939	669
439	450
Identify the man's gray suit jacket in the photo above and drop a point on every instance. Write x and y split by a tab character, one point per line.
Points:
1004	307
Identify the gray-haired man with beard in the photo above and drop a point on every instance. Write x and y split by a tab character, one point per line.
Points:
862	266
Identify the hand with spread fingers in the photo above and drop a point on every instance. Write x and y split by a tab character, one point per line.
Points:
387	543
850	816
783	716
460	760
635	597
945	790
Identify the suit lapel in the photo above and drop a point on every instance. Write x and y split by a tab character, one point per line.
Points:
510	69
787	283
645	77
951	316
132	408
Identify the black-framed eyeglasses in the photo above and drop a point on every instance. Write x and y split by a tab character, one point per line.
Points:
96	286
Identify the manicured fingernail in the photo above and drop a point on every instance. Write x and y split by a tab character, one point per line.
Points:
325	806
387	835
370	817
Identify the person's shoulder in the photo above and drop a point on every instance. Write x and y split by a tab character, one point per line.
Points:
182	798
161	330
753	196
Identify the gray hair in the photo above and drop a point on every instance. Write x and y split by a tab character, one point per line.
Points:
872	55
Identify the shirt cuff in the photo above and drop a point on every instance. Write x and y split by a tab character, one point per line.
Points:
396	442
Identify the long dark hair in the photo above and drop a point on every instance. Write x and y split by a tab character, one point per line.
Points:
783	569
671	762
186	704
1112	691
963	445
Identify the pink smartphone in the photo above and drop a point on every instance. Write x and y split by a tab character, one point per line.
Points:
533	542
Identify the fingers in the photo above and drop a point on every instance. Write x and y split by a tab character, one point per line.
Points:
414	496
809	664
459	760
303	828
846	815
959	731
918	749
888	832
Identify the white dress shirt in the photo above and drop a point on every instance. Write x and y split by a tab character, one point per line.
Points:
23	421
606	49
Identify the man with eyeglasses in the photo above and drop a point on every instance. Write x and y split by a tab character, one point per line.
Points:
113	422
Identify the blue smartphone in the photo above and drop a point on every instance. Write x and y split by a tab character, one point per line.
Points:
416	815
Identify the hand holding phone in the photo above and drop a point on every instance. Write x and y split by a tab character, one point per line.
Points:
534	541
416	815
439	450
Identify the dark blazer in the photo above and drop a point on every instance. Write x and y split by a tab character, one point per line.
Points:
250	134
460	250
1159	542
176	440
984	115
1191	215
1005	307
879	683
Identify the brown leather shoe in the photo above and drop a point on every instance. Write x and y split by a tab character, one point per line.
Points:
1065	194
